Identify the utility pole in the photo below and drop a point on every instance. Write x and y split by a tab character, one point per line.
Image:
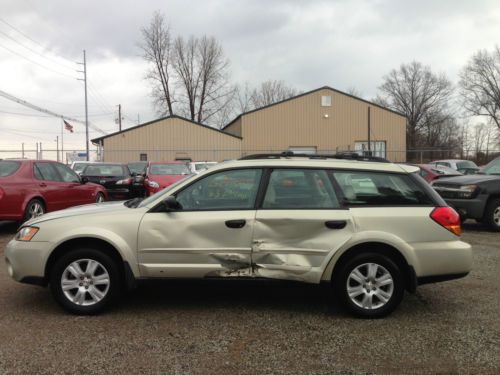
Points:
369	134
22	147
37	151
41	152
119	117
86	104
57	147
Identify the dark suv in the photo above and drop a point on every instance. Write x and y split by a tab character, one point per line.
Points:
475	196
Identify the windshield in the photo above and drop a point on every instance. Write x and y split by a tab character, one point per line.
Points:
165	191
168	169
466	164
104	170
78	167
493	167
202	166
8	167
138	167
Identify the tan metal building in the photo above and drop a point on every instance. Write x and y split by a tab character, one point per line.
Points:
324	120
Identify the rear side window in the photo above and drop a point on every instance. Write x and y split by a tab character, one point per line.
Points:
8	167
299	189
45	171
67	174
380	189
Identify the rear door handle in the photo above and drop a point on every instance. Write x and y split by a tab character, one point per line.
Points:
42	184
335	224
235	224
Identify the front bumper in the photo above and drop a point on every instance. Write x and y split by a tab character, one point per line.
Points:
469	208
26	260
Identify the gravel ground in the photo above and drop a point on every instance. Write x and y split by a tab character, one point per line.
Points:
258	328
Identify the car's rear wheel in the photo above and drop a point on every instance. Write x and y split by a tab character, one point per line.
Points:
370	285
34	208
99	198
492	215
85	281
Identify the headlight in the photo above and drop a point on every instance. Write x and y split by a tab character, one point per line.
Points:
153	184
26	233
467	191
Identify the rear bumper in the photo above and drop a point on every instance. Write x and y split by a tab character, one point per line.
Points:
123	193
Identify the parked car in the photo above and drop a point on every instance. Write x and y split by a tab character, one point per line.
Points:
372	229
476	196
431	172
116	178
30	188
463	166
79	166
138	172
199	166
159	175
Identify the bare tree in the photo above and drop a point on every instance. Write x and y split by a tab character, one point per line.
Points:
270	92
203	77
157	50
243	96
480	85
354	92
423	97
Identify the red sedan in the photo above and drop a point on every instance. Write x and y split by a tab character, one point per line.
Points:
159	175
30	188
431	172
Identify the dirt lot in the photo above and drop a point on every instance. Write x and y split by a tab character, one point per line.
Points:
241	327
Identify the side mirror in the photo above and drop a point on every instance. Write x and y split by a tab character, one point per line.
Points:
84	179
171	204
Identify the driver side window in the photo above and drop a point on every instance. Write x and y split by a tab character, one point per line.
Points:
226	190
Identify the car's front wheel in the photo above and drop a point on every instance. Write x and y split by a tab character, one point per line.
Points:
370	285
99	198
85	281
492	215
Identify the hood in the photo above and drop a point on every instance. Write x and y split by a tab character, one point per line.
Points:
79	210
466	179
166	180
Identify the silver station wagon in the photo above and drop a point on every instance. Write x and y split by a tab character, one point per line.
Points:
370	228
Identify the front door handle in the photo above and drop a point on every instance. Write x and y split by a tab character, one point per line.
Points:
235	224
335	224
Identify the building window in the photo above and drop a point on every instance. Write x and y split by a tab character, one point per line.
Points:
326	101
143	157
377	148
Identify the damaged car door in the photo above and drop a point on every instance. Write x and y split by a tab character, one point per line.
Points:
210	231
299	225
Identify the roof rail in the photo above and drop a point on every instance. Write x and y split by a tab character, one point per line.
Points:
340	155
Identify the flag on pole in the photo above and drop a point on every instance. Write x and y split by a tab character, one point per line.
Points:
67	126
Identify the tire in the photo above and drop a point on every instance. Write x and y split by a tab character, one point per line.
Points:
383	295
99	197
492	215
34	208
88	291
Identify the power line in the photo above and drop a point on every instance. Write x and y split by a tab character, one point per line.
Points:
30	38
47	111
37	52
36	63
35	115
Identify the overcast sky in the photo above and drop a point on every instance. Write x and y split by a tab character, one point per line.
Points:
308	44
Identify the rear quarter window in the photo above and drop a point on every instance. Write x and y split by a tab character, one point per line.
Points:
8	167
380	189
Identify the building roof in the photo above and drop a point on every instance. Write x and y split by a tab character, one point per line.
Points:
96	140
310	92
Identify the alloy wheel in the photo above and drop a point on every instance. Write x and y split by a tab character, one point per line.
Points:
85	282
496	216
35	210
370	286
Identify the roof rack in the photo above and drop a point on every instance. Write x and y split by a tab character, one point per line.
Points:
340	155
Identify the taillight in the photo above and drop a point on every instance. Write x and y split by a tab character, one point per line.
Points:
448	218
